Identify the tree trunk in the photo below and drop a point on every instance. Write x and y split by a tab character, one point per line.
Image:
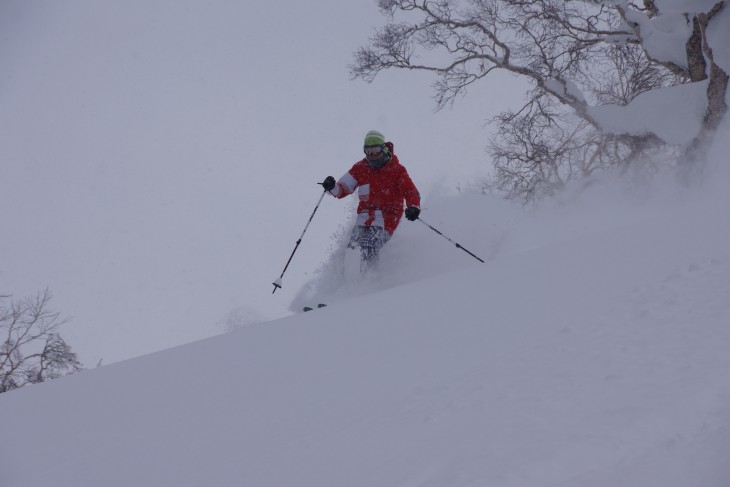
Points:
695	58
716	90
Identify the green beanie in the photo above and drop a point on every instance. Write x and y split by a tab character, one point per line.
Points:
374	138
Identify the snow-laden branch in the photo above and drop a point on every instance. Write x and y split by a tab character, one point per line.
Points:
582	54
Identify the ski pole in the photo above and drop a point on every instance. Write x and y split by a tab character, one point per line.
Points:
458	246
277	283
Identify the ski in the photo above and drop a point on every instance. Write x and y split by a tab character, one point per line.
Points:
320	305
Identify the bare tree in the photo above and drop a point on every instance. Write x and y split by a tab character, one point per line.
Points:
547	41
623	71
32	350
575	53
542	146
539	148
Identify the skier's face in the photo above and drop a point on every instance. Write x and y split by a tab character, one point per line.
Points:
373	152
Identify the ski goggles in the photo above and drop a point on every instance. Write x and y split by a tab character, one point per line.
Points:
373	150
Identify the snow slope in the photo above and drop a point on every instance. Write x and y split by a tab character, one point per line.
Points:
590	349
590	352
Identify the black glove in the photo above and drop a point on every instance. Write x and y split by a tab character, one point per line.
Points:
328	184
412	213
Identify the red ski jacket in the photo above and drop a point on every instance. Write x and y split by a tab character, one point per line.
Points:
381	192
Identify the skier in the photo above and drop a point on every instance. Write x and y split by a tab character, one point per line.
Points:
383	184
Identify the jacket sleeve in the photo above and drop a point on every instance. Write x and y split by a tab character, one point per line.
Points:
346	185
408	189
